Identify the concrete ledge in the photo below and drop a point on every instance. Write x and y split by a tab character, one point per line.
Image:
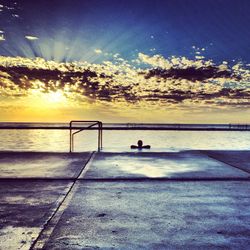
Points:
41	164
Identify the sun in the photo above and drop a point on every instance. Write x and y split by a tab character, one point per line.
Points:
52	99
55	97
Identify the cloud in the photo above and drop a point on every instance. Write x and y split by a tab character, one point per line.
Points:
172	81
156	60
31	38
199	57
191	73
2	38
98	51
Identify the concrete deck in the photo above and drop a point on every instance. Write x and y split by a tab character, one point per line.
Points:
159	215
41	165
174	165
182	200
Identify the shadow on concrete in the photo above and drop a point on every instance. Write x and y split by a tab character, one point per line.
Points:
237	159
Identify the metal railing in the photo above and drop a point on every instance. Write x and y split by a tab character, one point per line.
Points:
176	127
129	126
242	126
80	129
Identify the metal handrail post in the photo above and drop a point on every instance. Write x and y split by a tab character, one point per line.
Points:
70	138
101	134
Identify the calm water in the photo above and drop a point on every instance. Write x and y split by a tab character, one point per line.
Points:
58	140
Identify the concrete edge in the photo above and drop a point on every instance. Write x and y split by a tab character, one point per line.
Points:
163	179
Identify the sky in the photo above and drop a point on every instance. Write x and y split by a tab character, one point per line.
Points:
173	61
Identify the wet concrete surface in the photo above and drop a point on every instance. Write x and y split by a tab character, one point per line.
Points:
25	208
174	165
155	215
123	201
41	165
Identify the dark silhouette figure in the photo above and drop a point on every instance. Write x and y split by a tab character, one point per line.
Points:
140	145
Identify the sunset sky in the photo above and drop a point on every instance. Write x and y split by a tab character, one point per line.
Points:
125	61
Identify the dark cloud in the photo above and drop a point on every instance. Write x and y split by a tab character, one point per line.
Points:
45	75
191	73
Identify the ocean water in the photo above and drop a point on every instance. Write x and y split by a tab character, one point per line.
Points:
120	140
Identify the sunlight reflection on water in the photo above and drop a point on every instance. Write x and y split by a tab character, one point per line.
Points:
58	140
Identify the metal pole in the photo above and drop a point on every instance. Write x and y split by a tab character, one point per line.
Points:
101	135
70	139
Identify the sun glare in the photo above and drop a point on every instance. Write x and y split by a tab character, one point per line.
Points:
50	99
55	97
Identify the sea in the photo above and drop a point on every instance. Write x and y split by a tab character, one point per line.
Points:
58	140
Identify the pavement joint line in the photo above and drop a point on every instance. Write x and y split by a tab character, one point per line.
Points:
36	179
229	164
87	166
162	179
49	226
